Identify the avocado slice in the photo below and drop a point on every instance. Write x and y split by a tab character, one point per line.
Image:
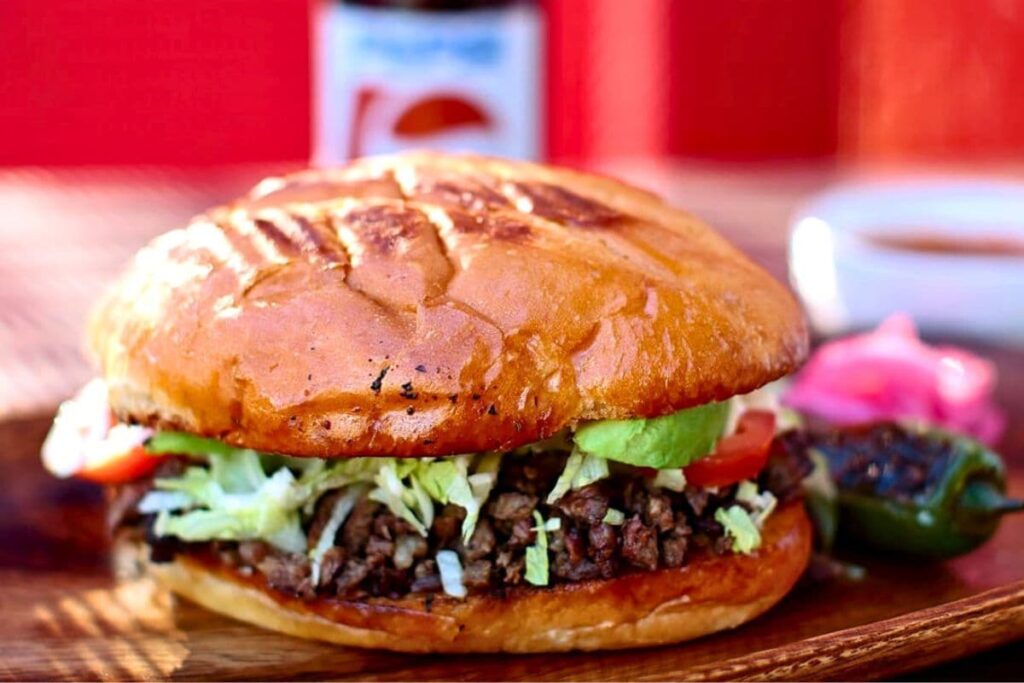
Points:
673	440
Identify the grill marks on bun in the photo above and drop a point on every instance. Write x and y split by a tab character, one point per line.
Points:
297	235
555	296
395	254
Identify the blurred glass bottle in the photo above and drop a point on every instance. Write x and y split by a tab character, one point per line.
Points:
457	75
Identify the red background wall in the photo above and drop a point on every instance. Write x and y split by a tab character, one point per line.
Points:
175	82
197	82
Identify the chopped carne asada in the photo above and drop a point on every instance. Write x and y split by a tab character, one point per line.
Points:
376	553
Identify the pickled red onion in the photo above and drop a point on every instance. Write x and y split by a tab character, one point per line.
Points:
890	374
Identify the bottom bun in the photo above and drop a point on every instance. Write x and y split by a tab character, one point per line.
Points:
711	593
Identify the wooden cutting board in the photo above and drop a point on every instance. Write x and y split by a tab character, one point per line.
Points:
64	616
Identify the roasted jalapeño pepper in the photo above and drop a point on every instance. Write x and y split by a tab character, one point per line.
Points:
919	492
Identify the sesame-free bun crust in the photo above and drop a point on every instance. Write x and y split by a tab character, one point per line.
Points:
428	304
710	594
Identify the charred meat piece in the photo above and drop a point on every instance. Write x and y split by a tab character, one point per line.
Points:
289	573
512	506
587	505
639	544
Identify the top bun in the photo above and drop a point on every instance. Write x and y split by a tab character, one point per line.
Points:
429	304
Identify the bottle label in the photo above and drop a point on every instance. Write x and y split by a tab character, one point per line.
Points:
392	79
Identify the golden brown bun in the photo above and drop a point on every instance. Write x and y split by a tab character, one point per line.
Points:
710	594
427	304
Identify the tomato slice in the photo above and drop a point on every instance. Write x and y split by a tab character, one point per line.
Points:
87	441
738	456
120	468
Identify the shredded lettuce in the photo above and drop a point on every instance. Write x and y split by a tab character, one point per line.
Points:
537	554
740	527
232	497
239	494
397	496
239	502
319	476
239	472
342	508
672	479
581	469
450	568
289	537
424	504
564	482
481	483
614	517
593	468
447	481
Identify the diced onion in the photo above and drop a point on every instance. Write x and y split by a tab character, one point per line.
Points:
766	509
672	479
159	501
451	573
761	504
405	551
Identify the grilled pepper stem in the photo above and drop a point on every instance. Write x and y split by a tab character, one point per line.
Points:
957	511
981	497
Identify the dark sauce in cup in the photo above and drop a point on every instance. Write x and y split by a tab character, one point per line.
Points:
925	241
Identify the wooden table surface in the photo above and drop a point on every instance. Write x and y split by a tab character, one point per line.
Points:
65	616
